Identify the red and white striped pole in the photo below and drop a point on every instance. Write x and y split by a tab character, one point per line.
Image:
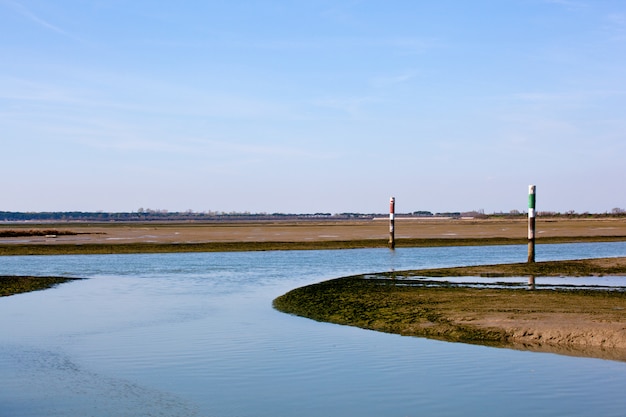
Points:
392	214
531	223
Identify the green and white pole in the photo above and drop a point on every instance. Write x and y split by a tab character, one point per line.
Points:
392	215
531	223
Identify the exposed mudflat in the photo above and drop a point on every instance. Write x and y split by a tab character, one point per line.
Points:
61	238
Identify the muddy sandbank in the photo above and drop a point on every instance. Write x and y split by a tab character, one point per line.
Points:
571	321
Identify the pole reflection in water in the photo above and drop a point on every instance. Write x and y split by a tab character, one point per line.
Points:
531	282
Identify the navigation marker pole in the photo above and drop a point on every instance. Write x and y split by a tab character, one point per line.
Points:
392	214
531	223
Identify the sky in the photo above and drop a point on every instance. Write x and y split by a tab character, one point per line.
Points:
312	106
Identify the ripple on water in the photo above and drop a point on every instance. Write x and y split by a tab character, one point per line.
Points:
70	390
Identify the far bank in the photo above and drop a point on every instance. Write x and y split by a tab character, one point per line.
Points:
153	237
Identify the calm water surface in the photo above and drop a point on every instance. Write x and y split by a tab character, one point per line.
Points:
196	335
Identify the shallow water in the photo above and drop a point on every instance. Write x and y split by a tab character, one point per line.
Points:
601	283
195	335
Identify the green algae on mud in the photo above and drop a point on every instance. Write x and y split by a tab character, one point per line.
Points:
11	285
487	316
378	304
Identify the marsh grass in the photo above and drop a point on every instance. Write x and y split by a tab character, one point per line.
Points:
55	248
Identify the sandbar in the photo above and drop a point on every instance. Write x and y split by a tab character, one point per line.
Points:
572	321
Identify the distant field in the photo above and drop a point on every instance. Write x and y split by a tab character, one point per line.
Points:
187	236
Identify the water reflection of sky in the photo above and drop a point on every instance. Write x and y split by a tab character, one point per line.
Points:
590	282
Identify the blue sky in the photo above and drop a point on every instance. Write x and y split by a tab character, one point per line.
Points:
312	106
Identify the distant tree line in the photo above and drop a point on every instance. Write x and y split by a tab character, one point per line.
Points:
164	215
143	215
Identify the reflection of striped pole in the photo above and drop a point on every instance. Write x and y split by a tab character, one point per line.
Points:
392	214
531	223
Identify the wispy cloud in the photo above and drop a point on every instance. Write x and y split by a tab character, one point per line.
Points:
28	14
568	3
265	150
124	139
616	26
22	10
390	80
568	97
342	12
402	45
538	96
350	105
18	89
171	99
